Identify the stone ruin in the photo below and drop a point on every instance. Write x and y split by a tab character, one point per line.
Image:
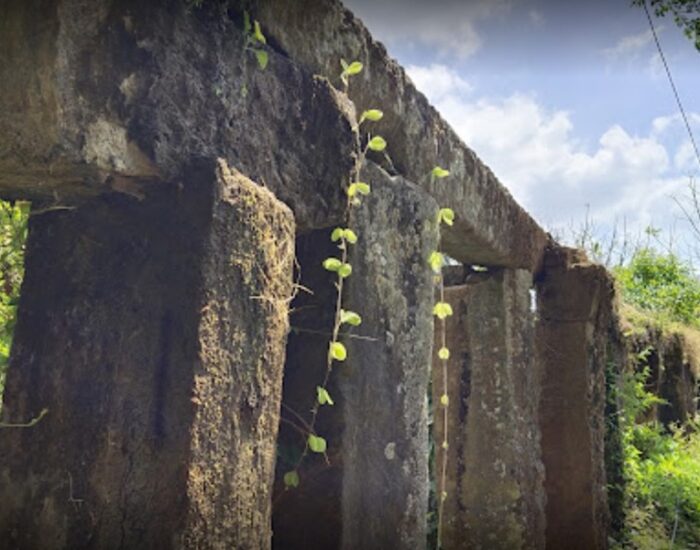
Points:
180	196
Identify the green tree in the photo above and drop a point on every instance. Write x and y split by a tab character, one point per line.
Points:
686	14
13	234
662	284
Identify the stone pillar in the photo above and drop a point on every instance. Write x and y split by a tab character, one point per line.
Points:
459	369
679	384
574	307
384	382
153	332
495	497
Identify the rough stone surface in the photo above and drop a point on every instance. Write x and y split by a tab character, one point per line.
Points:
679	385
574	306
459	393
495	474
153	331
384	381
119	94
490	227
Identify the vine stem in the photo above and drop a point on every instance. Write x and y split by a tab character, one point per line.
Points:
356	173
443	473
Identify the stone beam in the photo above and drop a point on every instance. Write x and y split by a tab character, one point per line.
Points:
153	332
117	95
495	494
574	306
491	228
120	95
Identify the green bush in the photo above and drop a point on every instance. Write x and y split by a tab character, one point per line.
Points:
13	234
662	474
663	284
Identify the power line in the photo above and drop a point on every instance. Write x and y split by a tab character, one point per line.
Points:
673	85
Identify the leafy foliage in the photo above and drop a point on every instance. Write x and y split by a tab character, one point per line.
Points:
662	475
13	234
686	14
663	284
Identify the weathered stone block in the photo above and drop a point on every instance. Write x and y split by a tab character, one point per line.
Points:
384	381
154	333
574	307
490	227
679	385
373	492
494	482
103	95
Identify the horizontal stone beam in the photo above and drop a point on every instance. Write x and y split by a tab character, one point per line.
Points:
120	95
491	228
115	95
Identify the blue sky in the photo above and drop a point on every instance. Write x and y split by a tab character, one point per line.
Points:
567	102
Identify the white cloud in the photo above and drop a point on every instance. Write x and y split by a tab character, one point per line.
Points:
440	80
536	17
630	45
449	27
535	153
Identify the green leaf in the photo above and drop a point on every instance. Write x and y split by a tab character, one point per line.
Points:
262	57
373	115
439	172
442	310
291	479
343	64
332	264
337	234
354	68
338	351
247	27
350	236
444	353
358	187
377	143
324	398
350	318
257	33
345	270
435	260
317	444
446	215
444	400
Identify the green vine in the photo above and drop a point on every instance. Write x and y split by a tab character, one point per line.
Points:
442	310
255	40
344	237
